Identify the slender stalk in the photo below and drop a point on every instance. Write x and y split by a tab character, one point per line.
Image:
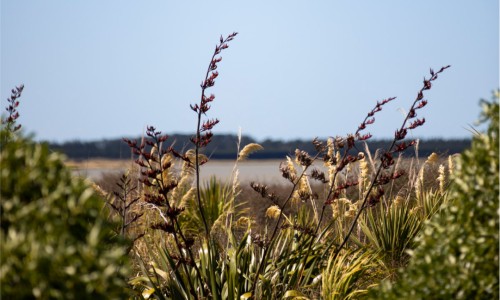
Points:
358	214
332	185
197	150
309	247
177	243
124	210
201	141
197	168
149	161
398	136
178	231
280	217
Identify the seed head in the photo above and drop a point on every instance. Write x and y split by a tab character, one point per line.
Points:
273	212
247	150
441	178
433	158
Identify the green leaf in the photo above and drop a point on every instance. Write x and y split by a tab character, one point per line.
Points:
296	295
148	292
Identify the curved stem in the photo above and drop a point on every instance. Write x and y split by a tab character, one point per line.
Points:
280	217
427	85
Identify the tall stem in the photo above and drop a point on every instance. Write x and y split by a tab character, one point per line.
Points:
197	168
280	217
427	86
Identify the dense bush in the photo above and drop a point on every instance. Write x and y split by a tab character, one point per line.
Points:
54	244
458	253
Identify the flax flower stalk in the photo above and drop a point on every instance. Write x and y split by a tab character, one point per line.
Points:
203	130
396	146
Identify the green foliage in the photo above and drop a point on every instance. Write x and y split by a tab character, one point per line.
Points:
342	278
217	201
392	231
162	279
53	241
234	265
459	248
240	264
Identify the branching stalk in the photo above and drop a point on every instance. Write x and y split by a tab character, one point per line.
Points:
399	135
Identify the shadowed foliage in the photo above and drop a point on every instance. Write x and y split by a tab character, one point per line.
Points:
458	253
54	242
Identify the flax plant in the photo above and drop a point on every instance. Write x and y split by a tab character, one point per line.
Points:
156	164
9	123
345	277
203	130
287	260
203	138
339	175
296	179
458	252
163	192
398	145
392	231
391	228
123	203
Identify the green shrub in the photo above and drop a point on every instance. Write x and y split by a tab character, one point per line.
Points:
459	248
54	243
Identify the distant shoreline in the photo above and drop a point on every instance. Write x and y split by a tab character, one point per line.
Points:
224	147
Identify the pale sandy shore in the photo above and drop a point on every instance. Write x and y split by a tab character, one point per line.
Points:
264	171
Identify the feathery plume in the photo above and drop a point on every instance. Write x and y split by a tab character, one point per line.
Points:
339	207
432	158
302	192
187	197
419	182
441	178
188	165
330	145
247	150
451	165
364	167
291	166
398	201
364	172
243	222
351	212
273	212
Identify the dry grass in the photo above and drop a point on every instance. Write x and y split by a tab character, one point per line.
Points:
261	171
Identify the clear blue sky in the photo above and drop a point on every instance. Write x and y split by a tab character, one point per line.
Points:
298	69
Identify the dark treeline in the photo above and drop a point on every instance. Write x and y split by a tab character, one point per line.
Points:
223	146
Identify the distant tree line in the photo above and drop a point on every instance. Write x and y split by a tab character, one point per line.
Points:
224	146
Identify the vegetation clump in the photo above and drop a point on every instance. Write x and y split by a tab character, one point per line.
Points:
349	224
54	241
457	256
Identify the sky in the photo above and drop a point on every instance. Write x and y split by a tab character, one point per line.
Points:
296	70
